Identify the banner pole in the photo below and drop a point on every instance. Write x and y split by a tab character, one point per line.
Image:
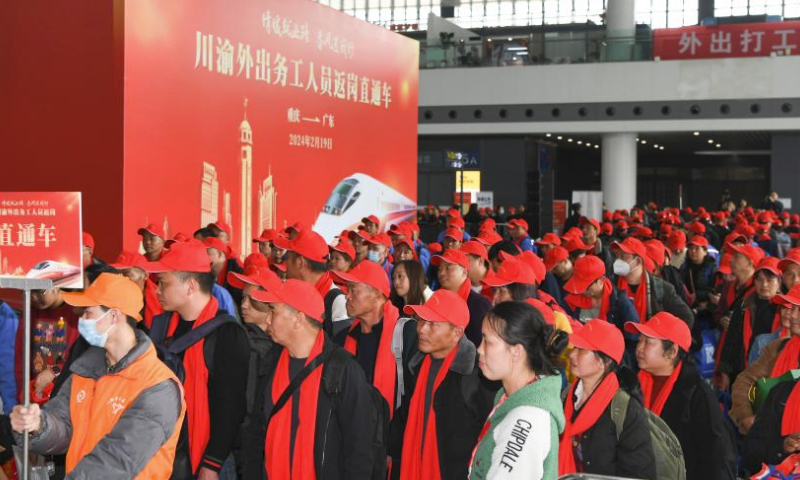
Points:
26	385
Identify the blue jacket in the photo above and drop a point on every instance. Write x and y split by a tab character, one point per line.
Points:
423	254
9	322
225	300
440	238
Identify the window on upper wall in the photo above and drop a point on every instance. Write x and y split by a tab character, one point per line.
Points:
781	8
501	13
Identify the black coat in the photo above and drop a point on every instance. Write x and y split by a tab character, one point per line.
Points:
692	413
764	442
341	447
629	456
478	306
459	420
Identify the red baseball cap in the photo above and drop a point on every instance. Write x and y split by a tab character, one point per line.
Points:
533	261
128	259
664	326
591	221
152	229
267	235
88	240
371	219
380	239
214	242
754	254
770	264
456	222
548	239
221	226
443	306
399	231
189	256
547	312
644	233
487	237
455	234
555	256
586	270
451	256
656	251
297	294
634	246
575	243
308	244
518	222
607	229
792	256
790	299
572	232
600	336
346	248
178	237
512	270
434	247
369	273
296	226
474	247
698	228
699	241
260	275
488	224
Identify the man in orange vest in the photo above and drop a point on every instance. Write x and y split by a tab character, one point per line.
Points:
119	415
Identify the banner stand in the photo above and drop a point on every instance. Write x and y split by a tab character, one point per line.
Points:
26	285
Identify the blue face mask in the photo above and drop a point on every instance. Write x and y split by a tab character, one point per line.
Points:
374	257
88	329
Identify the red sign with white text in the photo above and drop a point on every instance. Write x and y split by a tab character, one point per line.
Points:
265	114
724	41
41	237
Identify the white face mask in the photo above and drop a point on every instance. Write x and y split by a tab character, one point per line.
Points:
88	329
621	267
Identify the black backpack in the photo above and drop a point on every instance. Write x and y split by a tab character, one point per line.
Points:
170	352
334	362
333	328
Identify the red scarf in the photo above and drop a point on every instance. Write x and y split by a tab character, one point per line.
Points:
639	298
747	329
324	284
579	301
276	448
646	380
152	306
465	289
223	275
788	358
421	462
587	417
385	364
791	413
196	386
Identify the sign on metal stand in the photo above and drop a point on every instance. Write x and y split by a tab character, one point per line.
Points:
26	285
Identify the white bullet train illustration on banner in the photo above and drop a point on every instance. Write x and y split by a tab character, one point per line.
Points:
359	196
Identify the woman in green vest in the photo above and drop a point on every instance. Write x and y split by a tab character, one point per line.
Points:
520	438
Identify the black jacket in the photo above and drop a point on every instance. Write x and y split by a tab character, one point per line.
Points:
764	442
341	449
478	306
629	456
732	357
662	297
699	279
459	420
692	413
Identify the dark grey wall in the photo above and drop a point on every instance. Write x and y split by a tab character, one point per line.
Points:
785	169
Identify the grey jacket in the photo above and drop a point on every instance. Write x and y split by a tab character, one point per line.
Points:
140	432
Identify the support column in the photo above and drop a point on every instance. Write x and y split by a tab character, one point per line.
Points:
620	30
784	167
618	170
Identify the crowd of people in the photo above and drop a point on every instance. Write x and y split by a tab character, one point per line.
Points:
649	343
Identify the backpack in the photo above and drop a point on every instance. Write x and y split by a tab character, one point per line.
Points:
332	328
333	364
171	354
333	381
667	449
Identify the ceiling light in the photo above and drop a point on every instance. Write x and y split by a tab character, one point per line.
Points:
588	144
597	146
662	148
510	39
710	141
560	137
696	134
719	145
644	142
488	39
569	139
655	145
580	142
548	135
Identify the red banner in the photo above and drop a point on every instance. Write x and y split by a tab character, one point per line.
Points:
41	237
559	214
265	114
724	41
